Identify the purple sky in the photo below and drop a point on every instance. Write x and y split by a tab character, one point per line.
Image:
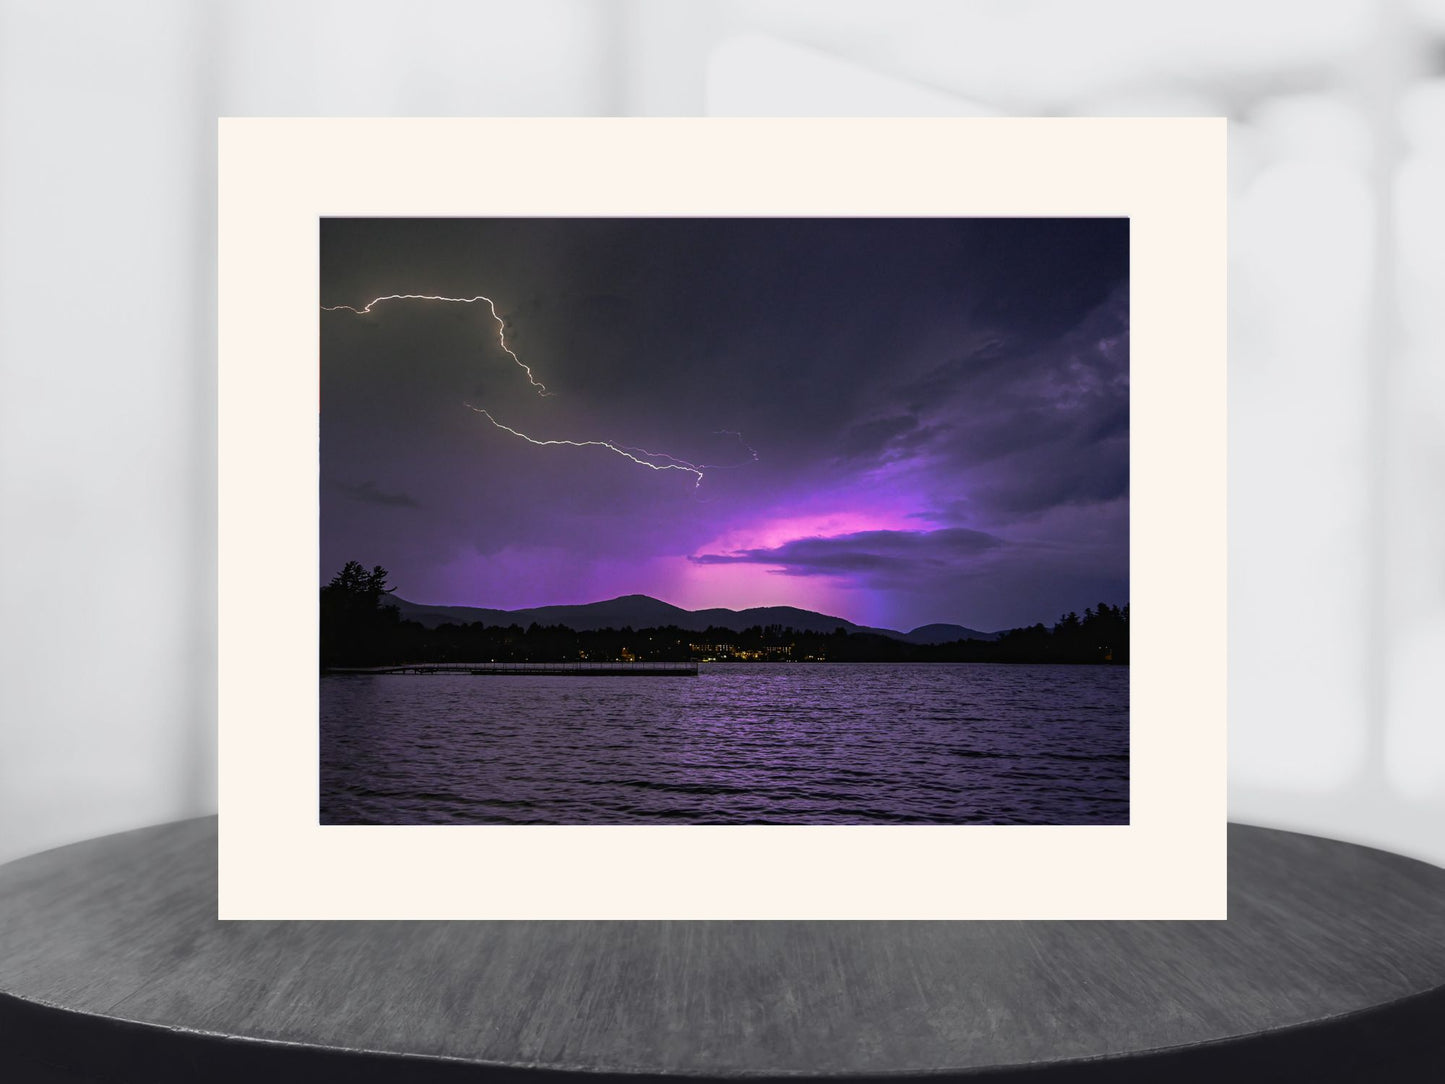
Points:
938	409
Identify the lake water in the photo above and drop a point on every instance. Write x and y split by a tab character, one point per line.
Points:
785	743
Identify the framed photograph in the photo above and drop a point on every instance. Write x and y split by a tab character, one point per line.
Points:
722	518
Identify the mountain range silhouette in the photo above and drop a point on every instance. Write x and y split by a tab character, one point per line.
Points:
643	611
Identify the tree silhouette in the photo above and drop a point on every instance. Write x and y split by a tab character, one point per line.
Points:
354	583
356	629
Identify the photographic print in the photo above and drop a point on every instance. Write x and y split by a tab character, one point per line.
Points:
724	521
667	518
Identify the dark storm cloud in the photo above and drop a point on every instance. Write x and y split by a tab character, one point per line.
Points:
798	327
872	438
970	365
1071	471
913	552
368	493
973	372
1040	430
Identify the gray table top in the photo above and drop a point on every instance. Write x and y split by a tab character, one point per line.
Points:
114	967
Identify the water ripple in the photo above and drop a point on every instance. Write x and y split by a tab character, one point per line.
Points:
766	744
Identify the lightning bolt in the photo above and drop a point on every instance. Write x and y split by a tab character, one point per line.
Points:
641	456
752	453
673	462
501	328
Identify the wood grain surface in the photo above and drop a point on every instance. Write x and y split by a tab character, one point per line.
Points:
113	967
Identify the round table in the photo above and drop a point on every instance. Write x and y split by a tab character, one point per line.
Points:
113	967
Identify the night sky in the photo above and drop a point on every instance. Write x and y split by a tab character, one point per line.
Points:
898	421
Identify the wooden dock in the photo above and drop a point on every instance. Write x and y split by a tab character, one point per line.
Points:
536	669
